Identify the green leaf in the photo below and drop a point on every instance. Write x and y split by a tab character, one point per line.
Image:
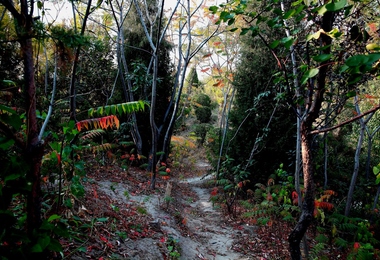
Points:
376	170
101	219
53	217
296	2
289	14
120	109
373	57
9	82
125	108
244	31
5	143
7	109
289	42
113	110
309	74
90	112
274	44
355	78
55	246
336	6
99	111
36	248
322	57
213	9
225	16
351	94
357	60
11	177
107	110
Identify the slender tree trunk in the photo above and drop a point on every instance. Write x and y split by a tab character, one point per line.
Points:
72	89
363	122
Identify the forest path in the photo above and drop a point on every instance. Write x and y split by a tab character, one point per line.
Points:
188	226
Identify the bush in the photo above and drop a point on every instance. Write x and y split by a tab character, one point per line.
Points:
203	114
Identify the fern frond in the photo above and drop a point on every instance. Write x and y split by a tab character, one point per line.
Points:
93	133
321	238
100	148
317	251
340	242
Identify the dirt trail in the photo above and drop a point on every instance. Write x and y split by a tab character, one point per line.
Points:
195	225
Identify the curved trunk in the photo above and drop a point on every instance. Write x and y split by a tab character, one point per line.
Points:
306	217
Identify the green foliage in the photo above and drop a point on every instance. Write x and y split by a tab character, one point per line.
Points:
118	109
201	132
203	114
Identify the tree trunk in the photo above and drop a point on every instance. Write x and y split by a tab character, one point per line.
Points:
72	89
313	104
306	217
34	148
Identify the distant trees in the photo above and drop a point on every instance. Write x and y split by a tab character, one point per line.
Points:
260	120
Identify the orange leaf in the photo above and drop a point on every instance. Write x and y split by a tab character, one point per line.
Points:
103	122
116	121
184	221
330	192
217	43
206	69
372	27
207	55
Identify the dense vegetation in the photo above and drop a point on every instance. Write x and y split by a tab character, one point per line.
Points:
282	94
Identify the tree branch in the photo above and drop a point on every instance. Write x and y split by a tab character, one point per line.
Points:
345	122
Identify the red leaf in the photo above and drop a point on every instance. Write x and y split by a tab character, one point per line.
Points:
356	246
103	238
294	195
58	158
214	191
79	126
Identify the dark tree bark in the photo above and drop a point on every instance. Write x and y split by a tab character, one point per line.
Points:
33	148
